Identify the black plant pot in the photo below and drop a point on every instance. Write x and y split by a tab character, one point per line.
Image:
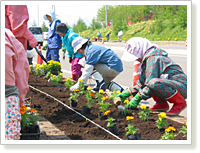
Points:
134	137
86	110
54	72
31	133
114	129
73	103
102	117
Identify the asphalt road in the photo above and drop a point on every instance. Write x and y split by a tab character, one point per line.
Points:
177	53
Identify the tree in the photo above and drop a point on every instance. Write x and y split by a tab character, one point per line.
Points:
80	26
34	23
44	27
95	24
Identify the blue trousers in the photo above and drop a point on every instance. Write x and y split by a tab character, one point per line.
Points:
52	54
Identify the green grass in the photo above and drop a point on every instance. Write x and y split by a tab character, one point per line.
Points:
145	29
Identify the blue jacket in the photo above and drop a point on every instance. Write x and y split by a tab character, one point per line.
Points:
67	42
54	40
95	54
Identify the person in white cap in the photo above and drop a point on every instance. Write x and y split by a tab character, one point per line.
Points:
54	41
104	60
161	78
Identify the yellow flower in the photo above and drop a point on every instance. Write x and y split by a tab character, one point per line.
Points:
80	80
51	75
167	130
129	118
160	118
186	124
114	92
143	106
104	98
175	39
101	91
37	68
168	39
118	92
107	112
172	128
89	88
61	74
54	78
126	101
68	79
31	65
163	114
41	66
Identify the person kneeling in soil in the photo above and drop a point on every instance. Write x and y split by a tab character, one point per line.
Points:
103	60
160	78
16	84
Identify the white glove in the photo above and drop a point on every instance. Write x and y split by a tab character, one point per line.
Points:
76	86
82	62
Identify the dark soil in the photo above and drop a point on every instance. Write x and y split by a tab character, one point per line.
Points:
75	126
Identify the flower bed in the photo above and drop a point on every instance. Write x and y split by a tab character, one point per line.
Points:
78	128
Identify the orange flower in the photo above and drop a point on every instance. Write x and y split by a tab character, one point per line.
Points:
129	118
24	107
104	98
107	112
76	90
92	95
31	110
22	113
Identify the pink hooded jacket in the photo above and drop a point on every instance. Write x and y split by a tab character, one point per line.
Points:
16	65
16	19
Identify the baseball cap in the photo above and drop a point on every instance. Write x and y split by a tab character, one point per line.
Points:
61	28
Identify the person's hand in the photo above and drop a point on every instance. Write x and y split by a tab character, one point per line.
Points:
70	60
135	101
33	42
121	97
76	86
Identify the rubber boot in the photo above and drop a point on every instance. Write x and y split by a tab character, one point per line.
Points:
114	86
179	104
100	84
160	105
75	77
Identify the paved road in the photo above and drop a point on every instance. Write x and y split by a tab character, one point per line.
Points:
177	53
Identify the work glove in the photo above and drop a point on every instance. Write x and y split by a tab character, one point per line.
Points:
121	97
76	86
44	47
70	60
63	48
134	102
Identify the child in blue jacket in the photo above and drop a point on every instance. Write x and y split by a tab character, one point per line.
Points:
68	35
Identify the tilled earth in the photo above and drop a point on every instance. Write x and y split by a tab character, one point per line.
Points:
77	127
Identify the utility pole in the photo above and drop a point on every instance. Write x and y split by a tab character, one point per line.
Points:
53	8
38	15
106	18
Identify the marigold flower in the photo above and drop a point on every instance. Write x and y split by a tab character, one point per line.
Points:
114	92
101	91
54	79
23	106
107	112
80	80
104	98
61	74
89	88
163	114
129	118
31	110
126	101
143	106
167	130
37	68
21	109
91	94
51	75
76	90
118	92
68	79
31	65
186	124
172	128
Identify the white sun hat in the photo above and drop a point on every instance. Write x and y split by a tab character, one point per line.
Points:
78	42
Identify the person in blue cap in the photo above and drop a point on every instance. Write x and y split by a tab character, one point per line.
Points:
54	40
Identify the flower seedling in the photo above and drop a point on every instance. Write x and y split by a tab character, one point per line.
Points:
68	83
28	117
89	96
125	111
55	79
183	130
103	104
110	122
31	69
53	66
37	69
145	113
131	127
74	96
99	94
169	134
114	94
161	122
81	86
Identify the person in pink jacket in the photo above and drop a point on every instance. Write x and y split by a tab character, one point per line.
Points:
16	84
16	19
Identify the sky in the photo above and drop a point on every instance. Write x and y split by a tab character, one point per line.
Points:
67	12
